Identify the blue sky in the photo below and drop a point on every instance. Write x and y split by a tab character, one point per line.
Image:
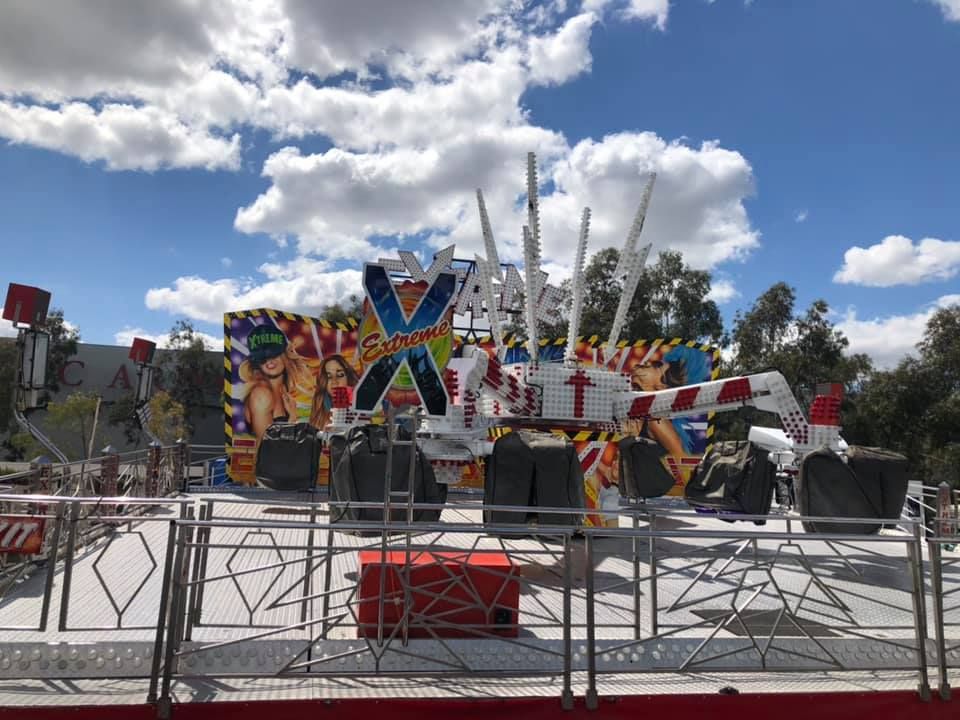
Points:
179	162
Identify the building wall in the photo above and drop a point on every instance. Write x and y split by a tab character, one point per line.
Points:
106	370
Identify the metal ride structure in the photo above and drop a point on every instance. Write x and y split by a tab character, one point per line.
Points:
490	393
178	592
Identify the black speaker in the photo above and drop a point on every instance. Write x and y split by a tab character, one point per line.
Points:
288	458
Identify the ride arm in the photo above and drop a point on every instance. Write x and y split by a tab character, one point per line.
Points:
765	391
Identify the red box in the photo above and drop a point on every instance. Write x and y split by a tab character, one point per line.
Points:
453	594
142	351
26	305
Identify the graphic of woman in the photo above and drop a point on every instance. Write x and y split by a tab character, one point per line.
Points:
334	372
679	366
272	371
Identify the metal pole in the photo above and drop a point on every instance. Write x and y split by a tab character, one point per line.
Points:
936	591
51	567
636	578
915	553
591	696
946	526
654	628
68	566
327	580
204	551
566	698
165	589
164	704
308	565
193	601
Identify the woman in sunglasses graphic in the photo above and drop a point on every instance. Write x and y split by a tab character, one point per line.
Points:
660	373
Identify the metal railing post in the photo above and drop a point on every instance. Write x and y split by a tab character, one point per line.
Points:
635	542
946	523
915	552
566	698
153	469
591	696
936	592
654	627
308	566
180	467
193	593
327	581
68	565
164	702
165	589
43	474
109	471
51	567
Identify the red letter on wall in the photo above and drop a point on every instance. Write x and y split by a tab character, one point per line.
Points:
121	377
63	373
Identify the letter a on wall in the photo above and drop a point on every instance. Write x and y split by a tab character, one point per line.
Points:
404	340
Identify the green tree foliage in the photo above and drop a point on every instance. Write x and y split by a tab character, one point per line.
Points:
187	371
914	408
807	348
122	415
671	300
168	418
63	346
8	377
340	312
75	416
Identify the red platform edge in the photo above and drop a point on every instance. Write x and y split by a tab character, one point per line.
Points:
898	705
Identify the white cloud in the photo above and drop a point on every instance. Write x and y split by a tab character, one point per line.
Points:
696	206
124	137
226	262
557	58
404	161
125	338
887	340
949	8
722	291
897	261
801	216
7	329
330	36
655	11
59	48
302	285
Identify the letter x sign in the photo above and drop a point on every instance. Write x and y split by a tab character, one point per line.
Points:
430	310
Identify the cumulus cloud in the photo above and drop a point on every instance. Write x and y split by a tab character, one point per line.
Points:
557	58
696	207
653	11
723	291
302	285
801	216
420	102
887	340
124	137
949	8
329	36
896	260
61	48
125	338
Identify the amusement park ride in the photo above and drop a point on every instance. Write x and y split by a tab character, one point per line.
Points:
479	390
472	600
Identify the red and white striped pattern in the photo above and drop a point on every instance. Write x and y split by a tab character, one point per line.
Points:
520	399
766	391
